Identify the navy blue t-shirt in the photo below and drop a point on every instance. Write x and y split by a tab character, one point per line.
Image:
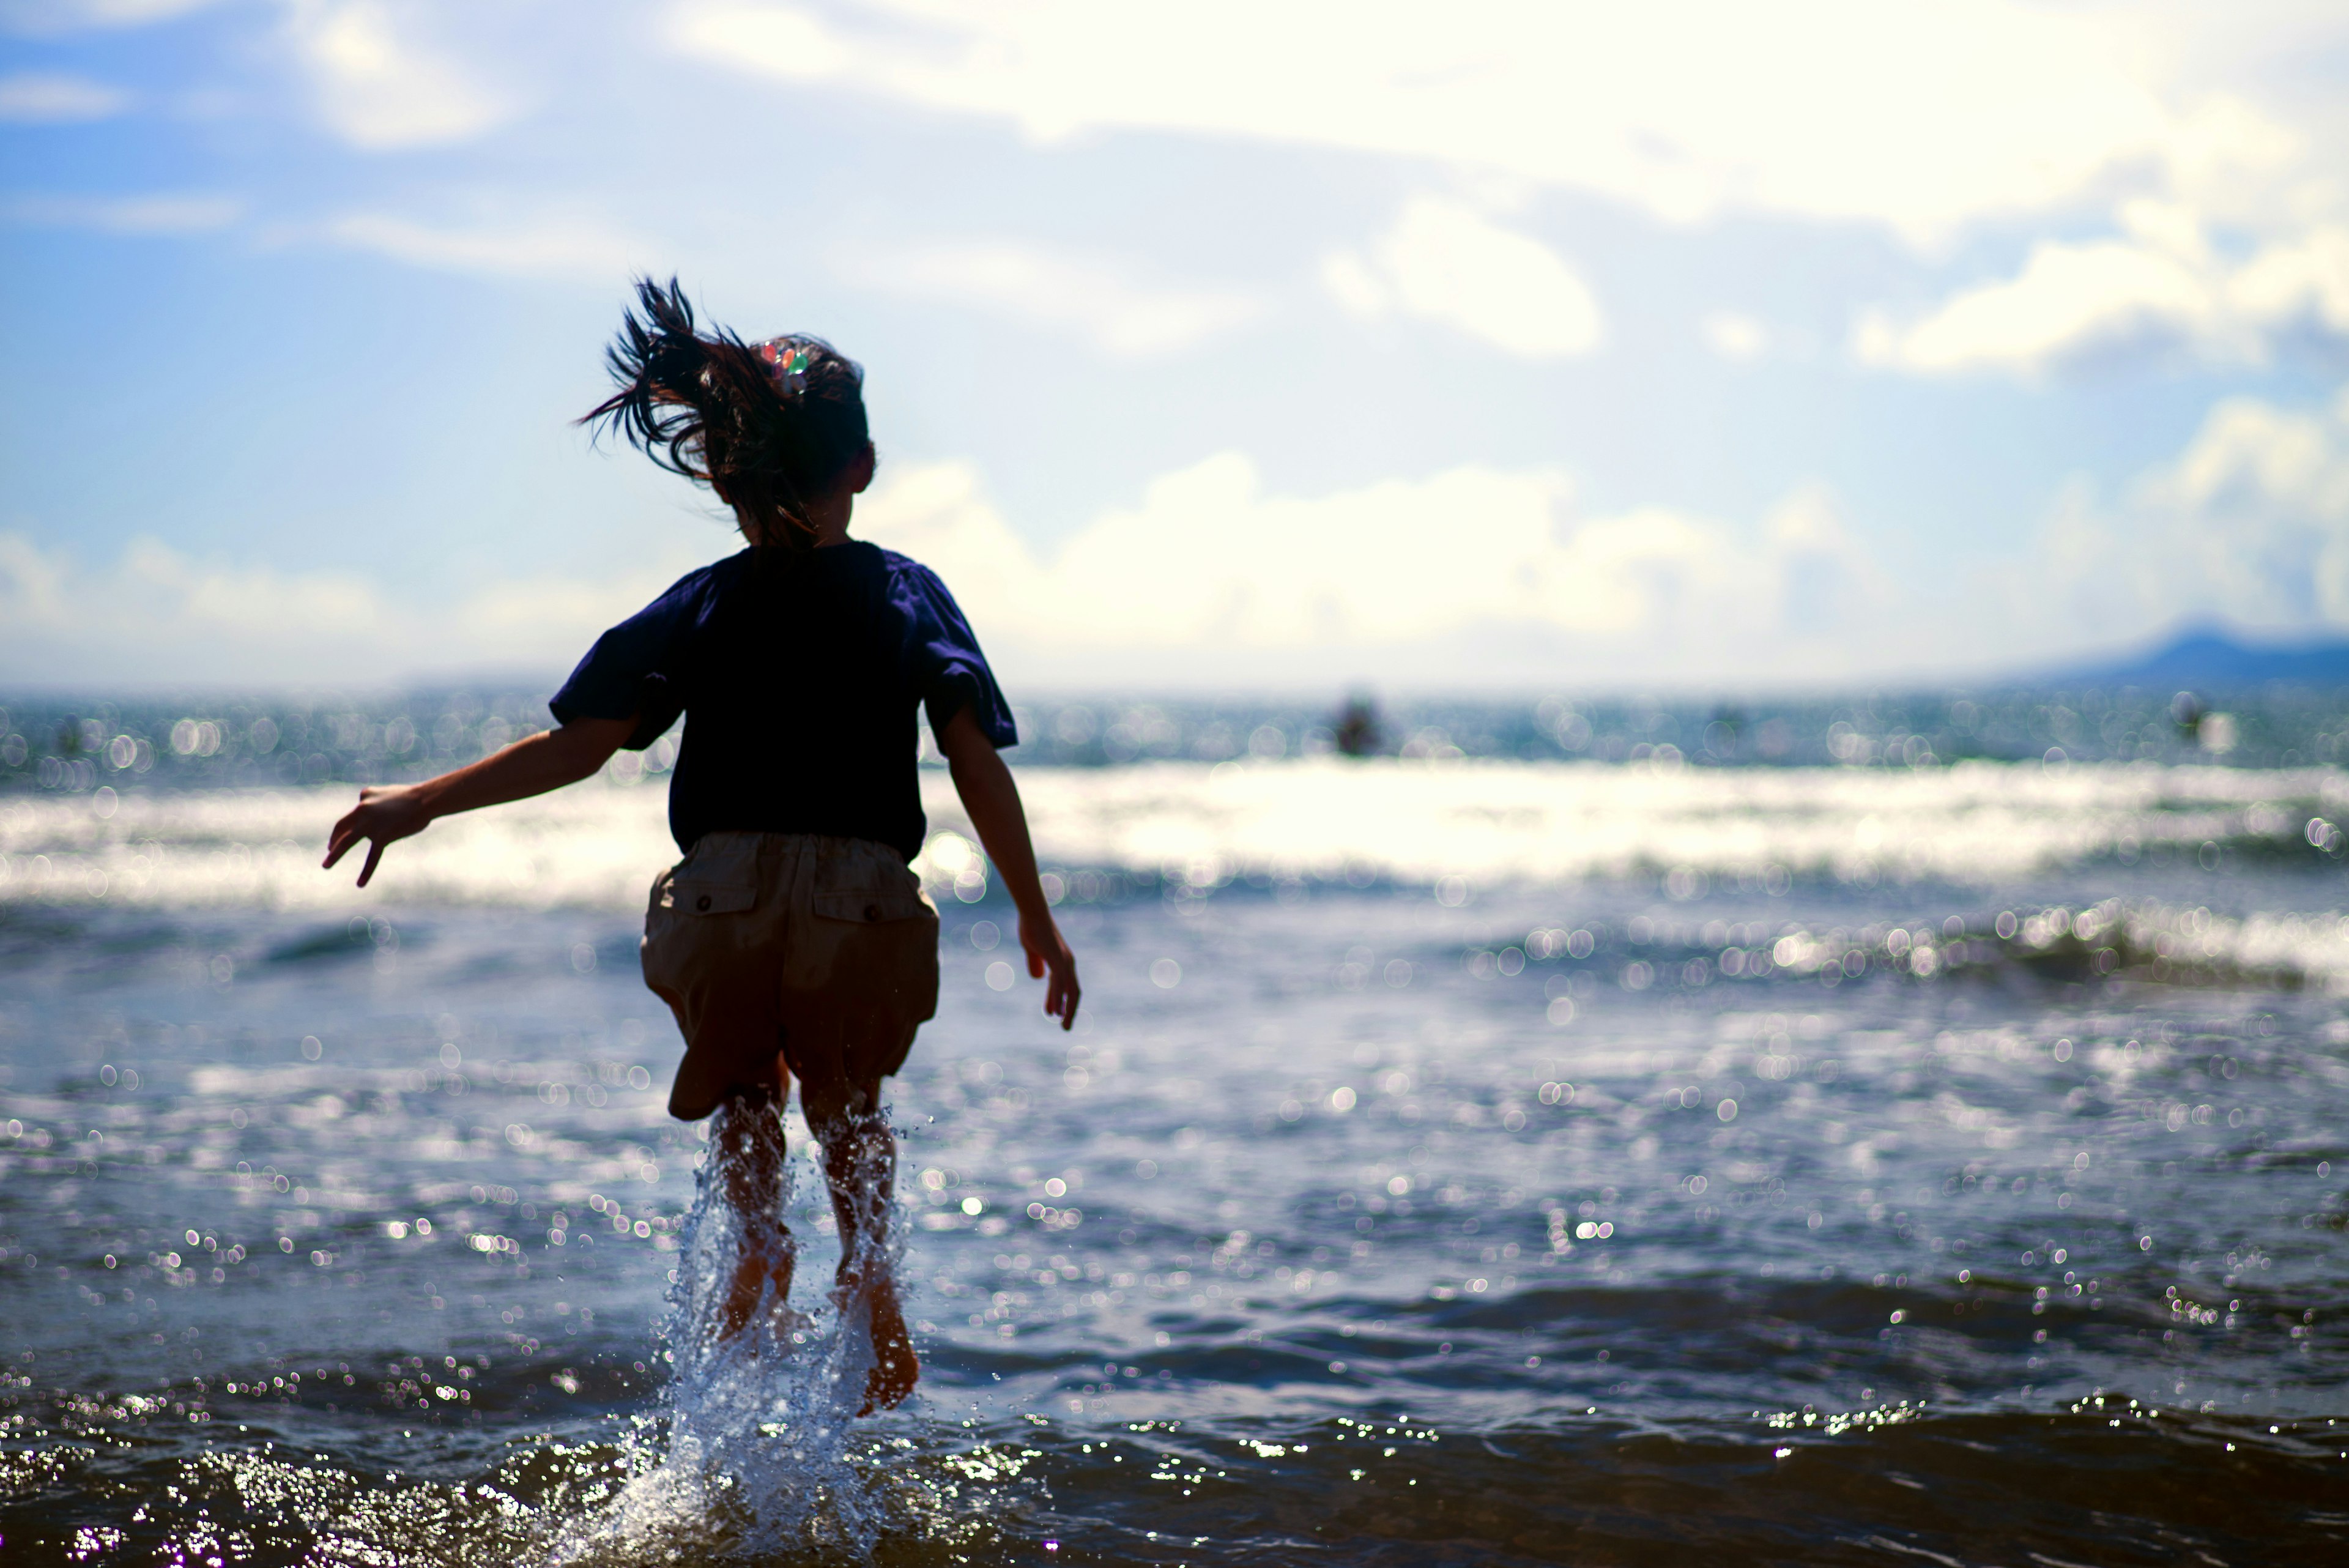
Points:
800	682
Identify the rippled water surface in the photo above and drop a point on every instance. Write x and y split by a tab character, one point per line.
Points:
1540	1163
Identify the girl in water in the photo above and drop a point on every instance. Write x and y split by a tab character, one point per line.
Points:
792	939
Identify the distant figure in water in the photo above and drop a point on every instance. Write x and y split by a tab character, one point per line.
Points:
1357	727
792	939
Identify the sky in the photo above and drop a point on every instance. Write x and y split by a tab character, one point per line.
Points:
1487	347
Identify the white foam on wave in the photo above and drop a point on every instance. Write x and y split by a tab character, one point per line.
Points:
594	847
1491	821
1509	822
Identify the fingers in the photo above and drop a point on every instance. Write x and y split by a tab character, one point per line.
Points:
339	841
1060	1000
347	831
379	826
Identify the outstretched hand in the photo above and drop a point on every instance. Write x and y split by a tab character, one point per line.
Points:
1048	951
385	814
531	765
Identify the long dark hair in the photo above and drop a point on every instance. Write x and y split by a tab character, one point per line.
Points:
768	426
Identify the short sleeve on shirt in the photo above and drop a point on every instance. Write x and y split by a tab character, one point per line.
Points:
634	667
949	672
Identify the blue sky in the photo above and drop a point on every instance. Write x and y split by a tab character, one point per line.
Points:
1213	344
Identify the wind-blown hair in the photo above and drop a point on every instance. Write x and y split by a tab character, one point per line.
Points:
767	437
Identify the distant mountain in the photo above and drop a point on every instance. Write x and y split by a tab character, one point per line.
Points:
2211	660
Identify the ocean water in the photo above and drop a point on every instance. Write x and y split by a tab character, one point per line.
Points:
1512	1151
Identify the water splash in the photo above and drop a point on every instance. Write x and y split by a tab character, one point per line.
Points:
755	1449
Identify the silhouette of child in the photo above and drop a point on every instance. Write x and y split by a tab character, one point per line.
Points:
792	939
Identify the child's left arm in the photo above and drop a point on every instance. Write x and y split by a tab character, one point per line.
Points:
992	799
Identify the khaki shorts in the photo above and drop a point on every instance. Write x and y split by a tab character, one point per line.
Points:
823	948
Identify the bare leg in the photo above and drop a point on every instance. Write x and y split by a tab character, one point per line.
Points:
749	1138
860	1165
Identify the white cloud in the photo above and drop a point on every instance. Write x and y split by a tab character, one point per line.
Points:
378	88
55	97
2068	299
544	247
161	214
1210	579
156	614
2303	280
1467	578
2161	284
2249	523
1092	296
2258	507
1354	285
1447	262
1735	336
1919	118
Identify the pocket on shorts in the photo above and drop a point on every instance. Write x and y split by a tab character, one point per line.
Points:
719	877
870	886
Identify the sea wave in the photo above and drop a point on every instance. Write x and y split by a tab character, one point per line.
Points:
1472	824
1494	821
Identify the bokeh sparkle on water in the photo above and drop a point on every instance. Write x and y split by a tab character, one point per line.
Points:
1459	1161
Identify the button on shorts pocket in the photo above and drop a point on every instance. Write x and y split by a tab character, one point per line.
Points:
718	879
868	887
715	897
871	906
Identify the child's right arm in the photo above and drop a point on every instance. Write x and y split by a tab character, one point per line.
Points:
992	799
531	765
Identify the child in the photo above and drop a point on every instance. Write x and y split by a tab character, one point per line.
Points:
792	939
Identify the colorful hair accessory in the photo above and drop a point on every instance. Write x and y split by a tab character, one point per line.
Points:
788	361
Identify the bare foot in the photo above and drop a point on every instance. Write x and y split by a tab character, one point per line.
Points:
895	1368
763	1261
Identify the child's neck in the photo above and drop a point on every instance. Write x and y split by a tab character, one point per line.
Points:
830	517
